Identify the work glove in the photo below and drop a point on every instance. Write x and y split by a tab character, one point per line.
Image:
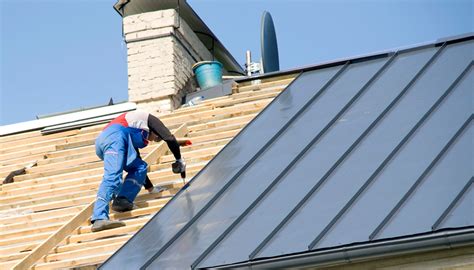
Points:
179	166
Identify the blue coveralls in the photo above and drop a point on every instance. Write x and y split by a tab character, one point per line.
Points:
116	147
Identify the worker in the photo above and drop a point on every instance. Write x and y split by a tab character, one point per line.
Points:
117	145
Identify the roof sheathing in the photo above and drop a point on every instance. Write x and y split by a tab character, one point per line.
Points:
221	219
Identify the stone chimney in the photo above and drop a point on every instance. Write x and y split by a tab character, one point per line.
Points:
161	51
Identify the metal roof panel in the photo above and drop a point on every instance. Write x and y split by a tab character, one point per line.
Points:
382	196
389	137
301	178
444	142
346	155
261	172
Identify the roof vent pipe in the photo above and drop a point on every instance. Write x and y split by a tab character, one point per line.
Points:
251	68
248	60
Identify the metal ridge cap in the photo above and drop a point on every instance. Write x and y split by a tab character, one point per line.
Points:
443	239
361	57
321	65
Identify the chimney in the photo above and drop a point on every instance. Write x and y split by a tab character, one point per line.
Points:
161	49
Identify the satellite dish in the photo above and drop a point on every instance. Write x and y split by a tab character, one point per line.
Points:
269	44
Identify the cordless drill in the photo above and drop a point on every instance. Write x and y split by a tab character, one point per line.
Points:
180	167
183	176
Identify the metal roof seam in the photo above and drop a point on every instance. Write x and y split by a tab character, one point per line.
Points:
291	164
445	213
422	176
244	168
420	122
364	134
382	165
329	172
265	241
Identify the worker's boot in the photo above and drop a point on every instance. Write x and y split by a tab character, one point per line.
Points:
121	204
106	224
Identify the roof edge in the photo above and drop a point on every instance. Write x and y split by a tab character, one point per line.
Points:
362	57
446	239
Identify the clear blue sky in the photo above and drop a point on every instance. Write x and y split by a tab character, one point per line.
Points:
63	55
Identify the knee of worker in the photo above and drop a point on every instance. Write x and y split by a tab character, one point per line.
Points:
137	176
138	168
113	167
112	177
142	168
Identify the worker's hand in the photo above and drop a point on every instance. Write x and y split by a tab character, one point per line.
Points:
179	166
184	142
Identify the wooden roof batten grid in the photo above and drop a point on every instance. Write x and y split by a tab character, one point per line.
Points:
65	181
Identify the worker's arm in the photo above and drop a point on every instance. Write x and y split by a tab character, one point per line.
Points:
157	127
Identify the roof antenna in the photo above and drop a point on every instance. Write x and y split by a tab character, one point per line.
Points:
269	46
251	67
111	102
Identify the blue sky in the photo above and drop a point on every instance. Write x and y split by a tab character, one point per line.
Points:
63	55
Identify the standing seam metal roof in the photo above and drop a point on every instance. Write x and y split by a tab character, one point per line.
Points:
370	149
